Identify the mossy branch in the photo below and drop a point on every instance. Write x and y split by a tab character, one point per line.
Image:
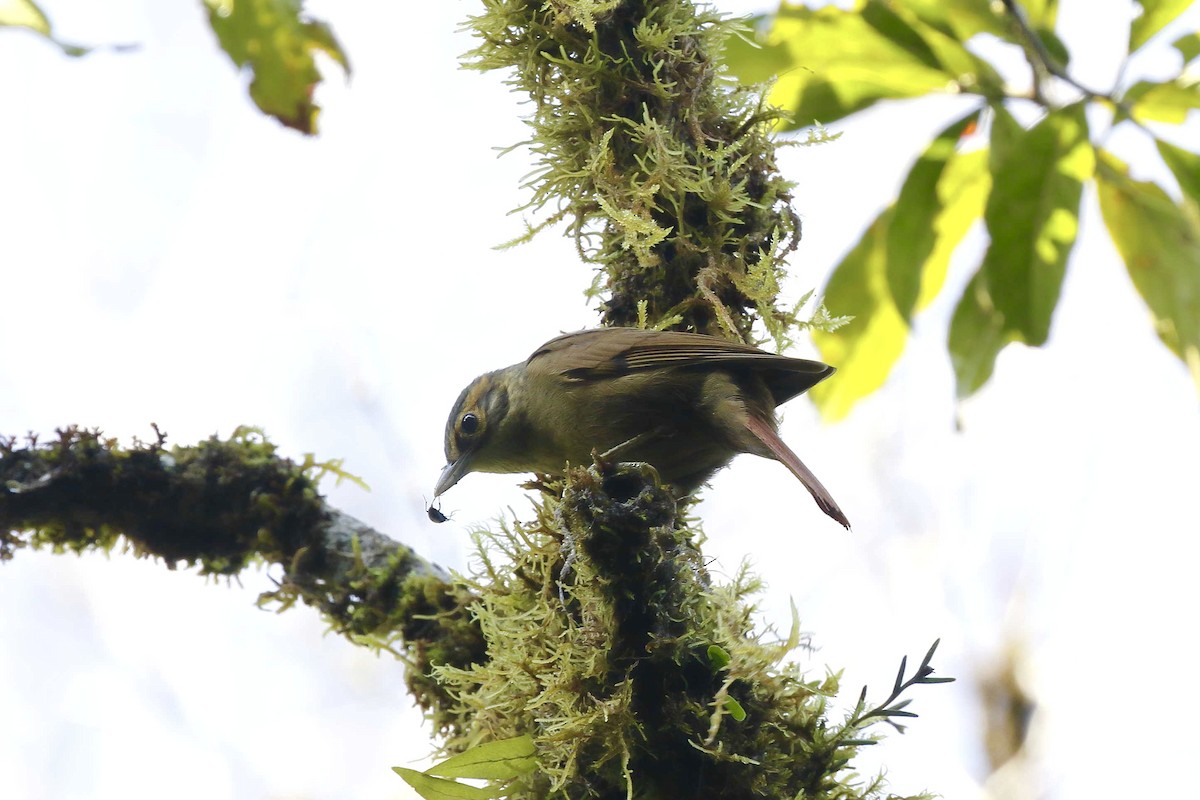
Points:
222	505
660	162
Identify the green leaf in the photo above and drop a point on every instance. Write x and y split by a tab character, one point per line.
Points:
962	19
735	710
1156	14
1160	243
1188	47
966	70
26	14
1163	102
832	63
432	788
717	657
277	43
499	760
1185	166
911	236
753	60
865	349
1032	216
977	335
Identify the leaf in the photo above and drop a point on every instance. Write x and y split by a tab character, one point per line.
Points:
1032	216
735	710
977	335
962	19
26	14
1160	243
1184	165
1162	102
754	61
432	788
277	43
499	760
1156	14
23	14
717	657
1188	46
861	285
832	63
911	235
864	350
962	192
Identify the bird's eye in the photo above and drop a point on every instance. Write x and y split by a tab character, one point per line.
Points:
469	424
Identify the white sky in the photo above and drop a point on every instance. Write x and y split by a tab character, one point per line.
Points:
169	255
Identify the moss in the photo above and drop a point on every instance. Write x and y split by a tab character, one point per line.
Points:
601	623
660	164
223	504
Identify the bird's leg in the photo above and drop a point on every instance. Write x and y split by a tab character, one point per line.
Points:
604	461
613	453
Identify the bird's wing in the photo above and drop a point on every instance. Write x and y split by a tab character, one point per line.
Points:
604	352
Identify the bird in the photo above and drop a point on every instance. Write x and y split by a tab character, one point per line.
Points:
685	403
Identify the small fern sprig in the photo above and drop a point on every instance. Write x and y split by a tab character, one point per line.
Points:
893	708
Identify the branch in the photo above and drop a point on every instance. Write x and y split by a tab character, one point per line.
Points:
1045	63
222	504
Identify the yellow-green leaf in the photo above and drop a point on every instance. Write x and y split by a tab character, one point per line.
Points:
1188	46
1160	244
1156	14
498	760
912	234
1185	166
432	788
1032	216
26	14
276	42
962	19
832	63
1163	102
23	14
962	192
865	349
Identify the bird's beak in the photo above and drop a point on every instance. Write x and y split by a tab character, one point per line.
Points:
452	473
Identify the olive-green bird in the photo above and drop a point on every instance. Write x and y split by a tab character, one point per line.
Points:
683	402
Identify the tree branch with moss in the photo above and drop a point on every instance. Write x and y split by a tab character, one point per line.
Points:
592	632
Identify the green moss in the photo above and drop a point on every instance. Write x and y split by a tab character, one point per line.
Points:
659	162
599	620
223	504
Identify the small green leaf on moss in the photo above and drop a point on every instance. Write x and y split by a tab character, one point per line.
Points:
432	788
493	761
735	710
718	657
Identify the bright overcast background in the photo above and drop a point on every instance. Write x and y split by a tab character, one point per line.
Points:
170	255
